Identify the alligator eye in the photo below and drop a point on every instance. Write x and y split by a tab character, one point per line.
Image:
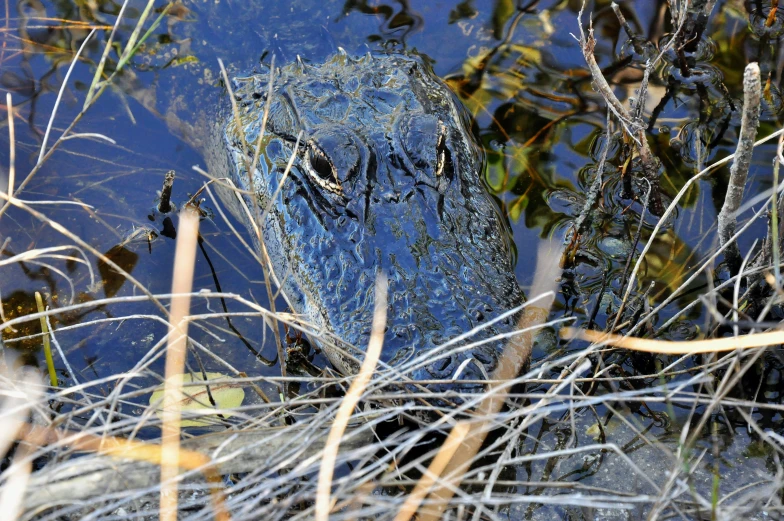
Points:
321	169
331	160
320	163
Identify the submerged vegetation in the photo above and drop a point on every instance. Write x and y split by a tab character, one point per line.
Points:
635	147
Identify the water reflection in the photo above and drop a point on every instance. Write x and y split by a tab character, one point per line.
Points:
399	20
113	280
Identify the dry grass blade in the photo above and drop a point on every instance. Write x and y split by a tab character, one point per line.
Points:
13	415
123	449
184	261
434	470
262	132
515	355
323	495
671	347
60	95
11	147
266	265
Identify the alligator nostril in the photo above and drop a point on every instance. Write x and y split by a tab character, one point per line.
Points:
402	332
437	368
487	359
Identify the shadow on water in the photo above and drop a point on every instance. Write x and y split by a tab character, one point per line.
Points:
522	77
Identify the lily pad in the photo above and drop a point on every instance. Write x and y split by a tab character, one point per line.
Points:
227	396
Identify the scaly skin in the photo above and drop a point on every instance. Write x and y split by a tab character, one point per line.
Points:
387	177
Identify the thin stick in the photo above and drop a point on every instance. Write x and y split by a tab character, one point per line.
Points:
264	118
327	468
289	165
235	112
60	95
632	126
739	170
736	292
774	208
632	282
622	19
184	261
11	147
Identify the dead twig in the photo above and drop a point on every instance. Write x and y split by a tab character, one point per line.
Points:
633	127
752	91
168	181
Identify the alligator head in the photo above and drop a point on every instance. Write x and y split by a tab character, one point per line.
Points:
387	177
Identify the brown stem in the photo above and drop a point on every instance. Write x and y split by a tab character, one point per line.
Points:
740	165
168	181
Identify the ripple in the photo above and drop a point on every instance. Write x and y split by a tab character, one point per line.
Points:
639	50
759	27
700	74
704	51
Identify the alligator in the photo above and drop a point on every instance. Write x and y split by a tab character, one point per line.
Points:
387	176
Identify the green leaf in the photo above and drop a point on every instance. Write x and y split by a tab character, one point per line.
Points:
196	398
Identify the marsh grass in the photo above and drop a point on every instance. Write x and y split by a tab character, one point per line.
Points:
564	434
